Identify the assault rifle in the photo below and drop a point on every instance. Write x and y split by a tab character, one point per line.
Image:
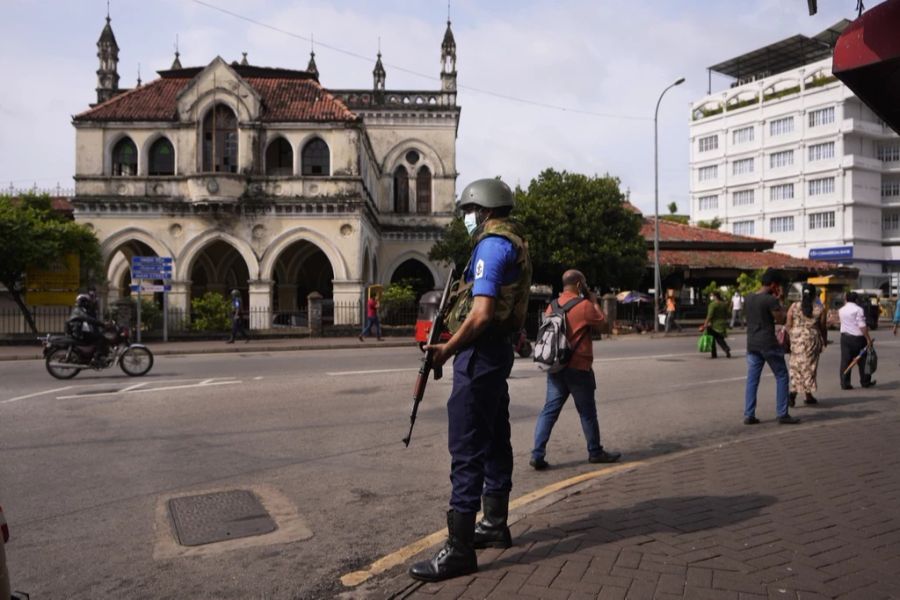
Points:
434	336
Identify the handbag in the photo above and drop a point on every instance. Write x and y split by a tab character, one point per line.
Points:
705	343
784	339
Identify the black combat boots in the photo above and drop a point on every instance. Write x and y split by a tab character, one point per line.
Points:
457	557
492	531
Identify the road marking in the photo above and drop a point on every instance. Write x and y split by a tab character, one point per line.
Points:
372	372
133	389
404	554
17	398
258	378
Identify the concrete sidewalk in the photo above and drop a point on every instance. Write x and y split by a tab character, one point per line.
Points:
159	348
802	512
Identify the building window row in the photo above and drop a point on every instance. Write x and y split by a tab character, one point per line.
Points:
710	142
781	224
423	190
821	220
821	187
821	151
781	126
784	158
742	198
708	202
708	173
890	222
890	188
743	228
822	116
784	191
742	135
742	166
889	152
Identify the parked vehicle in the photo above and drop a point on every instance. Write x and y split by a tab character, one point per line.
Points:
428	305
65	356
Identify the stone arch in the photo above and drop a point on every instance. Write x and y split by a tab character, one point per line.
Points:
110	146
303	234
185	261
410	255
272	157
220	95
429	155
112	244
308	165
144	151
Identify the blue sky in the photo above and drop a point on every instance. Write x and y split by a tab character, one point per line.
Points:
596	56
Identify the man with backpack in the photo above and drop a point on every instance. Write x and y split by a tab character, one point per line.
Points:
565	350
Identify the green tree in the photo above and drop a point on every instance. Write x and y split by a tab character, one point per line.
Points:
31	233
673	208
714	223
399	299
454	247
748	283
582	222
210	312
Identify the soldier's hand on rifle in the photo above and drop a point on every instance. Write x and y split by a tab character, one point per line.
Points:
439	354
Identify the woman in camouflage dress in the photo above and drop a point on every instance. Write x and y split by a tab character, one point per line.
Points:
806	328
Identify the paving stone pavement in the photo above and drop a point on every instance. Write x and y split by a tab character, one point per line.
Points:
806	512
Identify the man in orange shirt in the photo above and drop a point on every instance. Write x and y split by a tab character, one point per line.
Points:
577	378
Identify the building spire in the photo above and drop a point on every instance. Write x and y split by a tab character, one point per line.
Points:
108	55
311	67
176	64
244	59
139	75
448	58
378	73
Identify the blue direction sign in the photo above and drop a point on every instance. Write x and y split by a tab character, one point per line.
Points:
151	267
833	253
151	288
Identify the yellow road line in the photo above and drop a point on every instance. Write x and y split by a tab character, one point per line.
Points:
402	555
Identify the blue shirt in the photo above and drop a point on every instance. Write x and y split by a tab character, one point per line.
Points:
493	265
897	313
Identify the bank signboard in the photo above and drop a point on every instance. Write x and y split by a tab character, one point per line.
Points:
835	253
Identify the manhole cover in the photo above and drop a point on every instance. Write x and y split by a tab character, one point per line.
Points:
217	517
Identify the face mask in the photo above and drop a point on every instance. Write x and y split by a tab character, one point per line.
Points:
471	221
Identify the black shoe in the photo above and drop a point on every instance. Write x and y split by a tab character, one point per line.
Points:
457	557
605	457
728	354
492	531
792	399
751	421
870	384
788	420
539	464
810	399
362	339
229	341
846	387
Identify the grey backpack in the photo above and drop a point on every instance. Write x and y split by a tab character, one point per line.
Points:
552	352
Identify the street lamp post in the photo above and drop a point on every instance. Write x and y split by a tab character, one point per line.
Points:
656	280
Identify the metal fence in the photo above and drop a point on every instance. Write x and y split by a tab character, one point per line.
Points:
48	319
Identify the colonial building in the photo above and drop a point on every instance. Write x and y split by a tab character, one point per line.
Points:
263	180
789	153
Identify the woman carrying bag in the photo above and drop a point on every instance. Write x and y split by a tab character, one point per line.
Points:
716	323
806	328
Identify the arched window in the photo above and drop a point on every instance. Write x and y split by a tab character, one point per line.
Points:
220	140
124	158
423	190
280	158
162	158
315	158
401	190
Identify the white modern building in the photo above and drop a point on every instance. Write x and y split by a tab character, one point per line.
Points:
788	153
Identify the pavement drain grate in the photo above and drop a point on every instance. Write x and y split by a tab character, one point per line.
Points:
220	516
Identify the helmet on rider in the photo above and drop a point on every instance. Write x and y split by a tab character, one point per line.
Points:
83	301
486	193
235	293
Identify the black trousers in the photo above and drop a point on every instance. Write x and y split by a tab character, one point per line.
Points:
851	346
719	339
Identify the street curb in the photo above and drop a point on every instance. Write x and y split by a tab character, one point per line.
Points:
238	349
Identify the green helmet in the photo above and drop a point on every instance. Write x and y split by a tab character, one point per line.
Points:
487	193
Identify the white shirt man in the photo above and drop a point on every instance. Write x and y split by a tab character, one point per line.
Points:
737	305
854	339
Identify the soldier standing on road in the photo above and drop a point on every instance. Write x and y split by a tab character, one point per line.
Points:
489	305
237	328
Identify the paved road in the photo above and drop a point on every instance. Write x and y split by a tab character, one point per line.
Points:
85	464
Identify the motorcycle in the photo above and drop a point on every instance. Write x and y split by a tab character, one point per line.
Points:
65	356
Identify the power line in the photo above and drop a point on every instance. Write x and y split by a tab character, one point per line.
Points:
416	73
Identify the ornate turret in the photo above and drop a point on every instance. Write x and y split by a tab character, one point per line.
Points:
107	74
311	67
379	75
448	61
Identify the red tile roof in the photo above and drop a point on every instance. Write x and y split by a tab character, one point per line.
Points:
670	231
285	98
723	259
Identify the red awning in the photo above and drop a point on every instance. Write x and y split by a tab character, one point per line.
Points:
867	60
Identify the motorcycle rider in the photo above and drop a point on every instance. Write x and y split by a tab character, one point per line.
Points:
84	326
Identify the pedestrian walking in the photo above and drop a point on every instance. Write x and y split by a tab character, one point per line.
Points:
806	327
237	327
372	306
488	306
737	308
896	318
854	339
763	310
716	323
577	377
670	313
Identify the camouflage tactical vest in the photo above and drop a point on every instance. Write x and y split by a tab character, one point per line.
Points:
512	303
